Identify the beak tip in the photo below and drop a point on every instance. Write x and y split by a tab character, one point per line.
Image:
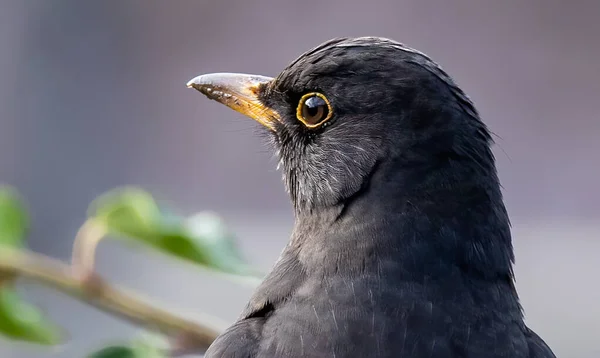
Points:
190	83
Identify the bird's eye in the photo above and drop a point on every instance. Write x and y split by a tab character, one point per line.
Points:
313	110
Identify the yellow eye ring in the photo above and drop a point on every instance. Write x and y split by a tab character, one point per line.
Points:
313	110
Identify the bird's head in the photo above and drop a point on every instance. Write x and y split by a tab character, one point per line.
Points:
354	107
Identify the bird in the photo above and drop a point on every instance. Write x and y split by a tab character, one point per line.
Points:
401	244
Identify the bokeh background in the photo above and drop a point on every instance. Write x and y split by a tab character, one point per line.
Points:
93	96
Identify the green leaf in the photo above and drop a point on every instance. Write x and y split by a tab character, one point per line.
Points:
18	319
212	236
138	349
24	322
127	211
128	352
14	221
202	239
114	352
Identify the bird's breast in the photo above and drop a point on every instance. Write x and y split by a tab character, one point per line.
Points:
342	317
369	316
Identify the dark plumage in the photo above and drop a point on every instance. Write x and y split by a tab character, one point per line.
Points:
402	245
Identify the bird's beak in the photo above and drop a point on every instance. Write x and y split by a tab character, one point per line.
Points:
239	92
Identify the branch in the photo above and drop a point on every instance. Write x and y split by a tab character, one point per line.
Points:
106	297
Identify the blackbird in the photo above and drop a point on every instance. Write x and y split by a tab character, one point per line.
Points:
401	245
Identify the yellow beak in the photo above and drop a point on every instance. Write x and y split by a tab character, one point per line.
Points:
239	92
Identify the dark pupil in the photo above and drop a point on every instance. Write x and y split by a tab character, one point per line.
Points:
314	109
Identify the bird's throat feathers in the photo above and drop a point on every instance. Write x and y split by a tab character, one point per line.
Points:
432	218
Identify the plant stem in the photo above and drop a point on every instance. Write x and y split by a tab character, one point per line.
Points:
84	248
105	296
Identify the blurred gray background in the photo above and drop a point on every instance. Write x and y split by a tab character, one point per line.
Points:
93	96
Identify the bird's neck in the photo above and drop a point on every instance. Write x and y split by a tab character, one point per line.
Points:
432	224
